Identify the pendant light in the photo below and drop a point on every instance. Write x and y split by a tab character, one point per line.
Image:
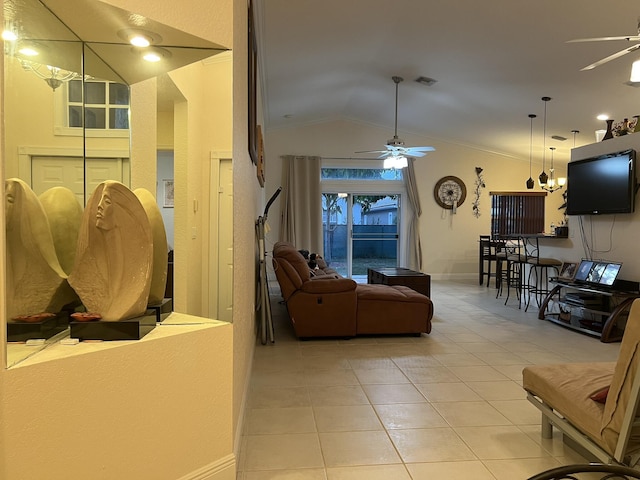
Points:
530	182
542	179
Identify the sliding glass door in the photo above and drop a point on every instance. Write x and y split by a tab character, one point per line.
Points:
361	231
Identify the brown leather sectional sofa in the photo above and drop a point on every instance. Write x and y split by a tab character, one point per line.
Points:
321	303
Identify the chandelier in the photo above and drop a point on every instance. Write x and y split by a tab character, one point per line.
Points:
54	76
552	184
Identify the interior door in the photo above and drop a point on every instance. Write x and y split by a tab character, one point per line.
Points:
71	172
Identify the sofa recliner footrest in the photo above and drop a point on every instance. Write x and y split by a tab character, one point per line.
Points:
385	309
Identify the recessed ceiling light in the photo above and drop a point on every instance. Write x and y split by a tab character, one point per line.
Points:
139	38
9	36
603	116
139	41
28	51
152	57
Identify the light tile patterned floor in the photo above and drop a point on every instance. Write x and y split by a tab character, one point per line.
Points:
445	405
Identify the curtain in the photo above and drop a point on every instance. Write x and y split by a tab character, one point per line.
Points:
301	206
414	248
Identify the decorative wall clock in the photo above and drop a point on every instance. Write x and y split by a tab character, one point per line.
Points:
449	192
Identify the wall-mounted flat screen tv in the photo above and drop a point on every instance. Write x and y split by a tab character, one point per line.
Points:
602	185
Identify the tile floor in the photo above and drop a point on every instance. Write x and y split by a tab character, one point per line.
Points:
445	405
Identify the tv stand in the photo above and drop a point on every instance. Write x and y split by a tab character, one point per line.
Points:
600	312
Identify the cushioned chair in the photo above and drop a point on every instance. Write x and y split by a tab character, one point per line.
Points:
595	404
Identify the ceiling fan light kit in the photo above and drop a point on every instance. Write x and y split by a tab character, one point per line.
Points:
395	151
635	72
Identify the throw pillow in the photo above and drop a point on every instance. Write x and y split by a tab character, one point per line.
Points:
601	395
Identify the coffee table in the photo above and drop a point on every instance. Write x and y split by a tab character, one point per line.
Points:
418	281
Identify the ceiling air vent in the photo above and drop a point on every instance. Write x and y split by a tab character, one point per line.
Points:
558	137
426	81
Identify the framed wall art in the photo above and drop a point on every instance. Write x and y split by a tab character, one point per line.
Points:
167	193
253	88
568	271
260	163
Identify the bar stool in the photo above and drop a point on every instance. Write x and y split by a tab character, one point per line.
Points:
512	274
539	268
489	249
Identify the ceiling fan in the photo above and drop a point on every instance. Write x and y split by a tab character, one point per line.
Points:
628	38
395	151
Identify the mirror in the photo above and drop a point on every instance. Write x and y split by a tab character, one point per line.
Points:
67	108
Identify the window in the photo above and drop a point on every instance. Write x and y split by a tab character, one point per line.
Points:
360	174
106	105
517	212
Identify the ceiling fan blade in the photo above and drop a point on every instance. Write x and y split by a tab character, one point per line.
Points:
421	149
374	151
630	38
611	57
415	154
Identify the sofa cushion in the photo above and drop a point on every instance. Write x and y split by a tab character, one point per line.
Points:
289	253
568	388
328	284
386	309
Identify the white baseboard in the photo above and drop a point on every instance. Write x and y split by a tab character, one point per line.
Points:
457	277
222	469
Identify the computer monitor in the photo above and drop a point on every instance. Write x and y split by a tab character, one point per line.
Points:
610	274
583	270
597	273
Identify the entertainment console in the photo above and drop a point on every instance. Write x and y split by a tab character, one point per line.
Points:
599	312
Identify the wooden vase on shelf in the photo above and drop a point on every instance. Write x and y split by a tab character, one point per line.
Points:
609	133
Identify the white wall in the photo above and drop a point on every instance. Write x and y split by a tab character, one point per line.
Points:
449	242
613	236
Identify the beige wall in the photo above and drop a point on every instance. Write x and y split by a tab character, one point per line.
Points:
449	242
193	381
248	201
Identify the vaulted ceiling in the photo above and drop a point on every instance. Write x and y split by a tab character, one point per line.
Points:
493	61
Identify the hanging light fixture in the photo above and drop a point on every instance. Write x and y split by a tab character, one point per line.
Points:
530	182
552	183
543	177
54	76
28	52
